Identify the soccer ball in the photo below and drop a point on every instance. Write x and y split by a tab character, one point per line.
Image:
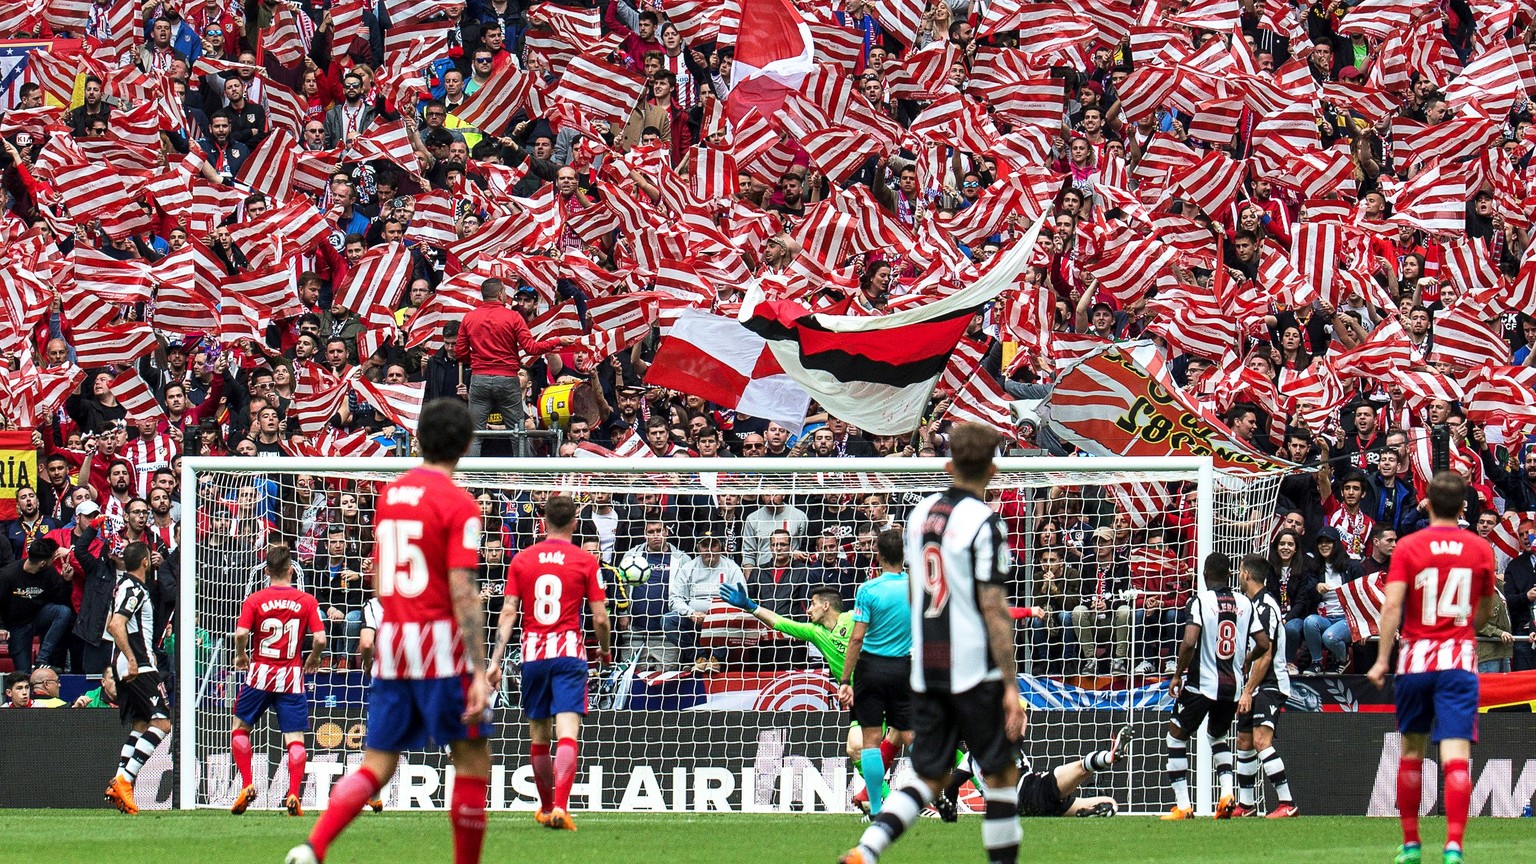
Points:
301	855
637	570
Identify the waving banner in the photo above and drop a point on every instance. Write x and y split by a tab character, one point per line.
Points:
1119	400
18	468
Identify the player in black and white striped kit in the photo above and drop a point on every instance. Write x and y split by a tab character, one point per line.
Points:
140	690
1208	682
1270	687
964	681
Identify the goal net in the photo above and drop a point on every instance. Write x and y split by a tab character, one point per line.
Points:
705	708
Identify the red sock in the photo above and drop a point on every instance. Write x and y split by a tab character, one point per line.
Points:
543	775
240	749
1410	790
347	800
1458	799
889	752
468	815
565	771
296	757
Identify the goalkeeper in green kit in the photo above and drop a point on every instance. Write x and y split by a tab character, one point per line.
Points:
829	629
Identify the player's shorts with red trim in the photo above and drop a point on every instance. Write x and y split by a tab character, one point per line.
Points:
554	686
292	708
405	714
1442	704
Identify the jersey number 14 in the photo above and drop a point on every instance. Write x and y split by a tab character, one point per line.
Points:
1454	600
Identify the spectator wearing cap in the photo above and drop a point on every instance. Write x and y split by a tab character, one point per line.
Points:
694	586
34	602
1326	630
494	340
1102	618
1102	321
626	419
45	688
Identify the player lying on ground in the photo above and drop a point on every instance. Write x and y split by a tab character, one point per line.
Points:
429	682
1440	589
281	615
549	583
1047	793
829	630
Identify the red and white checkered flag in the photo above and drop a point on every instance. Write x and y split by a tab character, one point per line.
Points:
132	392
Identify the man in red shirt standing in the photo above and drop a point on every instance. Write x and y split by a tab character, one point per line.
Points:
553	583
1440	589
489	341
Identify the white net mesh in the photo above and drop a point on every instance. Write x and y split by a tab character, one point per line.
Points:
720	712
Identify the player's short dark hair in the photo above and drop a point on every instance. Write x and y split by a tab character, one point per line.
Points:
1447	494
279	559
1218	569
834	597
134	556
971	446
560	511
891	547
42	549
1256	568
445	431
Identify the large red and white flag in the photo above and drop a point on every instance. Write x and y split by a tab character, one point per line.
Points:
600	89
399	402
377	281
114	344
133	394
774	53
720	360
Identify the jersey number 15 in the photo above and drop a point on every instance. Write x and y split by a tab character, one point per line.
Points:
402	564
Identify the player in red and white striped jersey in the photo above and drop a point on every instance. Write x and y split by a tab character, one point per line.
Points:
429	677
550	582
1440	589
281	616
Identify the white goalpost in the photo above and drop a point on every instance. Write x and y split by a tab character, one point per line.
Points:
721	714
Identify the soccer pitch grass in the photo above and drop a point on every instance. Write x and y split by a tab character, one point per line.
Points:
89	836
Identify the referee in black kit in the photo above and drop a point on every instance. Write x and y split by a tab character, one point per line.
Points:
964	681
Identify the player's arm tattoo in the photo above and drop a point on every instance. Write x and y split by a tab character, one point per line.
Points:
993	599
471	618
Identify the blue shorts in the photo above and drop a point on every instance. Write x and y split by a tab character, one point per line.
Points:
292	708
405	715
555	686
1443	704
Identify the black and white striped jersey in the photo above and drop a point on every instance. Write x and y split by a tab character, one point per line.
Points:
1272	621
131	600
1226	621
954	540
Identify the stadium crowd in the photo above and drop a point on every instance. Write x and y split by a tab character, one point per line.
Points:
278	228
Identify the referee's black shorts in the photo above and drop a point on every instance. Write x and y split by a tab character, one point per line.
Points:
942	720
882	692
143	699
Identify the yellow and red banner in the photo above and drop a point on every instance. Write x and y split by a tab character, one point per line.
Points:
18	468
1507	690
1119	400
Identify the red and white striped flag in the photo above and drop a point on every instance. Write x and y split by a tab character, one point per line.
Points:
281	39
346	26
388	141
600	89
271	166
1140	501
401	403
272	289
1463	340
110	279
114	344
1212	183
376	283
508	91
432	222
132	392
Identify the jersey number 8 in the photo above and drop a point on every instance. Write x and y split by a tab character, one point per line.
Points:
1226	640
402	565
546	599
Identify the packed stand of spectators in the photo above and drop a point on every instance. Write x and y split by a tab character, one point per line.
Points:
276	228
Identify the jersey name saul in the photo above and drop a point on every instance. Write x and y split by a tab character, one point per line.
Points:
425	526
1448	572
553	580
279	619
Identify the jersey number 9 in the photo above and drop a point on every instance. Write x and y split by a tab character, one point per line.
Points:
934	583
402	566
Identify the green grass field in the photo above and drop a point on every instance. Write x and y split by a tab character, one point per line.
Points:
88	837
